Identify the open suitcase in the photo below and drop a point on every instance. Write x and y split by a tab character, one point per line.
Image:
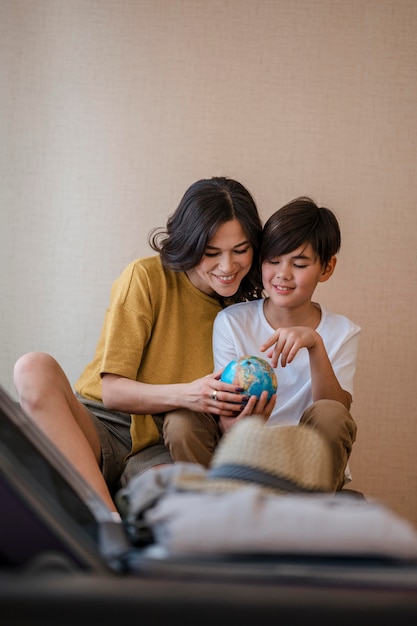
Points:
64	560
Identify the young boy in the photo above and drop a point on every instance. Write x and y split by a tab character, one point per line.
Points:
312	350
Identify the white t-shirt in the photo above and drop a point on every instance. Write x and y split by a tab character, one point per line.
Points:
241	328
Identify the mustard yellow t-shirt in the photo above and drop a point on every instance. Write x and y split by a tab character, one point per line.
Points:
158	330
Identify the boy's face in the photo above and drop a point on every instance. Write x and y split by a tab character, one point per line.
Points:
291	279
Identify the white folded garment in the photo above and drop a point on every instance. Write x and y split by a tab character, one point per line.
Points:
248	521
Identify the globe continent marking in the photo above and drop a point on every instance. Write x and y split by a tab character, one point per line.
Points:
251	373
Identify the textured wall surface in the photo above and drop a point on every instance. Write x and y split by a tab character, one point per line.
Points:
111	108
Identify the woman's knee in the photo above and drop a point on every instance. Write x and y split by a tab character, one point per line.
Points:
33	372
32	361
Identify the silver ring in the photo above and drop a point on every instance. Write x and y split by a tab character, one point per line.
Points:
214	394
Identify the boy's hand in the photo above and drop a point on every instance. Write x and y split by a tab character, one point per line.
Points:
255	406
288	342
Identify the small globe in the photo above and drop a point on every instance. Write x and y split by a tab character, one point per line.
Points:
253	374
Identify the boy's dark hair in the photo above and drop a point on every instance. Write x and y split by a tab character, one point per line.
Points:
297	223
206	205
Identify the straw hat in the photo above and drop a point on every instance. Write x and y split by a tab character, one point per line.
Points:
279	459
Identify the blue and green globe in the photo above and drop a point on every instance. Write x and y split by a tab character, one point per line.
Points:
253	374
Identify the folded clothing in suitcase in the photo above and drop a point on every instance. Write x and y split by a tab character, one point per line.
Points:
266	492
50	515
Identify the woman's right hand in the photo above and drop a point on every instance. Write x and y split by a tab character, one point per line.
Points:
211	395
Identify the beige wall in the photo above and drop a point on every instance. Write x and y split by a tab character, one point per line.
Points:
110	109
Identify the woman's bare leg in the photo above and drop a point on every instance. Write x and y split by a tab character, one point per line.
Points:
46	395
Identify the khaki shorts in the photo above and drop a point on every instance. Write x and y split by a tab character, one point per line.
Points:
113	429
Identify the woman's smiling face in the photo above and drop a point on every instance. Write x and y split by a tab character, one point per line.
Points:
226	261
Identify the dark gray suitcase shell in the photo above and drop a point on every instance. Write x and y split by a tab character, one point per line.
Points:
47	509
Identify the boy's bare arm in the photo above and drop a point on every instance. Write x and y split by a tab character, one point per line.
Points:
324	384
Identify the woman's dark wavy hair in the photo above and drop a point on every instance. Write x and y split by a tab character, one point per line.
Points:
206	205
298	223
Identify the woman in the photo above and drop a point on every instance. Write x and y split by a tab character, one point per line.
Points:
155	348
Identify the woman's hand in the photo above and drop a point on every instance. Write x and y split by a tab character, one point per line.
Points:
211	395
287	342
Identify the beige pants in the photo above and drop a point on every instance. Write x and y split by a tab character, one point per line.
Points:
193	437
